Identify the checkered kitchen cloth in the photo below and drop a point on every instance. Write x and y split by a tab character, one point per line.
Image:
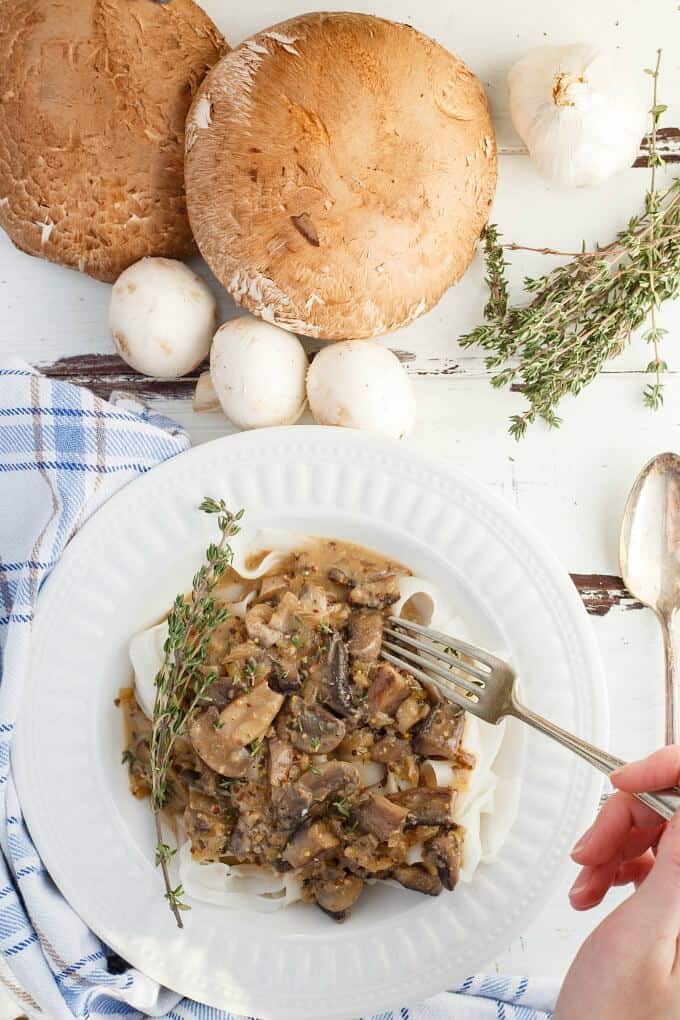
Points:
63	452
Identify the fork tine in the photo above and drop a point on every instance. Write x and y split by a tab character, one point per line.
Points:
434	650
445	674
447	689
488	660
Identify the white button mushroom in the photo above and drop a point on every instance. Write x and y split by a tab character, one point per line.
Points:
162	317
360	384
258	372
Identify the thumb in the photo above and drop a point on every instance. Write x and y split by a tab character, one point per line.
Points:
659	895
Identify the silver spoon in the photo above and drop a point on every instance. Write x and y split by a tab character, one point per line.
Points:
649	552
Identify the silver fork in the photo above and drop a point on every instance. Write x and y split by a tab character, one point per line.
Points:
485	687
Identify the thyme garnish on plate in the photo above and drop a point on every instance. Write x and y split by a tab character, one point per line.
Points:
582	313
183	678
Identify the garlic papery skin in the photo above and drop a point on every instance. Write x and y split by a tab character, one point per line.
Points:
579	111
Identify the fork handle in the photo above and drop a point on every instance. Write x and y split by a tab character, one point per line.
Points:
665	802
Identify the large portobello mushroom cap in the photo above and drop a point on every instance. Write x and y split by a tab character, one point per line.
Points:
93	100
339	171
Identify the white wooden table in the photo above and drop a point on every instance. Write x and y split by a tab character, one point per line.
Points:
571	484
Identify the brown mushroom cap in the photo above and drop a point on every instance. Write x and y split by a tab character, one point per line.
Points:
93	101
339	170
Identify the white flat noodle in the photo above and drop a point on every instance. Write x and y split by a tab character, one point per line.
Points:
481	740
507	765
240	608
423	596
280	542
371	773
390	785
229	591
437	772
146	656
241	887
415	853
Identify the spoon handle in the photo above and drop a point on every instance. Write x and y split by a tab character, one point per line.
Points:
671	643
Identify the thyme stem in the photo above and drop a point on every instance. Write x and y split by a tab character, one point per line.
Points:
183	677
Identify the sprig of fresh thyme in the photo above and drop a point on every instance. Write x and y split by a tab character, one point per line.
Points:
582	313
183	678
497	305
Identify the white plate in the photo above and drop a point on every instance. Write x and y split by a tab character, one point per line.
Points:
120	573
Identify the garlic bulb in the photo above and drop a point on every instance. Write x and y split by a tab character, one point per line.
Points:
579	112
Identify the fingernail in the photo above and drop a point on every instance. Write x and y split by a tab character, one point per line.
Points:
579	886
576	849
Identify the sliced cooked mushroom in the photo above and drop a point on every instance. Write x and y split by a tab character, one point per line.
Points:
314	729
337	778
220	641
313	601
440	734
258	625
380	816
388	688
283	617
250	834
390	749
219	693
357	744
244	651
377	594
309	843
272	586
366	632
444	853
406	771
365	858
418	878
292	805
411	712
207	829
281	758
338	614
341	577
337	895
335	690
221	738
426	805
285	674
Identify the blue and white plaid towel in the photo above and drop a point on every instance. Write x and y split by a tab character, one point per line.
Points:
63	452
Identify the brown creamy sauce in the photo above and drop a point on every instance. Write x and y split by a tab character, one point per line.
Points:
309	752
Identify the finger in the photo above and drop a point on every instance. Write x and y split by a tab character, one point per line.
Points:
633	845
592	885
660	770
621	818
658	898
635	872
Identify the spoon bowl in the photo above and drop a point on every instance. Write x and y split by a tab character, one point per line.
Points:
649	553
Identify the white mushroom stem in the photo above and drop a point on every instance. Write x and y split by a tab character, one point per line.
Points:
205	397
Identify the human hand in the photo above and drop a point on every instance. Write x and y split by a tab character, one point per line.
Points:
628	968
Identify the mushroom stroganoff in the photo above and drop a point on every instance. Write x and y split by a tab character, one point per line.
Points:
311	768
